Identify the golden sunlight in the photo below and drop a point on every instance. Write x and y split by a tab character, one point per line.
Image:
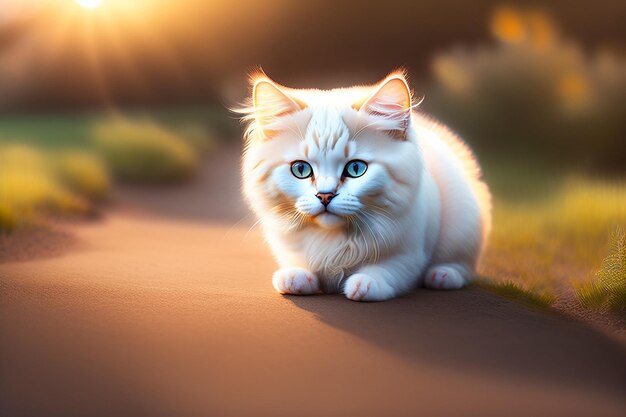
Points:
89	4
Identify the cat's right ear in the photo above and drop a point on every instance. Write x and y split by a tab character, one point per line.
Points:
391	101
271	102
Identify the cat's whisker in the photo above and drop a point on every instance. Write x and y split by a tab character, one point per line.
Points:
362	129
390	223
362	234
231	228
252	227
298	133
374	241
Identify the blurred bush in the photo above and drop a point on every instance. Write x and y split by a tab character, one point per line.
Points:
533	91
142	151
201	138
61	172
84	173
34	184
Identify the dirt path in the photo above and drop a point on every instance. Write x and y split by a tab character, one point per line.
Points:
164	308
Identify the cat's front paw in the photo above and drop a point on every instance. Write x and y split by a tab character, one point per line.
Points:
443	277
363	287
295	281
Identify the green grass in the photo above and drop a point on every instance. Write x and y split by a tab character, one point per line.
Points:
514	291
556	236
608	288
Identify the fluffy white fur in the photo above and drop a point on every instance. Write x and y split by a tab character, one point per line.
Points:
419	215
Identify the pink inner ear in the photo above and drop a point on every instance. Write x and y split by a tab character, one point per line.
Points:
392	97
270	100
390	110
392	102
270	103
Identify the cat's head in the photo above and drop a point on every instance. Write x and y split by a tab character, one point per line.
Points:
337	158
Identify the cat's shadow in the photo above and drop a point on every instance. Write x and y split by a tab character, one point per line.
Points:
479	332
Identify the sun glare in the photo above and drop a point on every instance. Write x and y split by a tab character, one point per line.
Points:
89	4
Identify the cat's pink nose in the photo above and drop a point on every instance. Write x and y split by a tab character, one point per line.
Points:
325	198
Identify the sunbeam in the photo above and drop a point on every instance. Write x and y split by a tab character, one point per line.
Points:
89	4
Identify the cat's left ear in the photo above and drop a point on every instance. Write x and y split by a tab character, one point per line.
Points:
272	101
392	102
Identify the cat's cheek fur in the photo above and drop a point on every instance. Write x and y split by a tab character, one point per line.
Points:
284	182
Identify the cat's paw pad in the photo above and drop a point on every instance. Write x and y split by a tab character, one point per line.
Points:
295	281
443	277
362	287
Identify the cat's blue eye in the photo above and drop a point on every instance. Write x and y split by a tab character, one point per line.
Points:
355	168
301	169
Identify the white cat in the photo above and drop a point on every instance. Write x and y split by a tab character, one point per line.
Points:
357	193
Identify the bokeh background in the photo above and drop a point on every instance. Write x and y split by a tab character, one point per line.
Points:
99	94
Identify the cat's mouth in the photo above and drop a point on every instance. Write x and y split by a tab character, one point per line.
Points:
328	219
326	210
